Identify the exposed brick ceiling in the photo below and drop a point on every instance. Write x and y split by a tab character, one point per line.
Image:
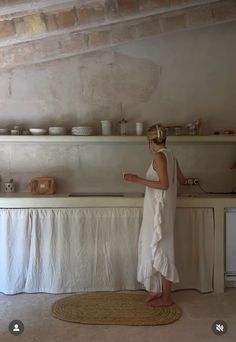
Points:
41	30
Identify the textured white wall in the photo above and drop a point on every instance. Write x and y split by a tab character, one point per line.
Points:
99	167
175	78
197	80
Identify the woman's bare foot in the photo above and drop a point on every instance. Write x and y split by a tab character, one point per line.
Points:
152	295
161	301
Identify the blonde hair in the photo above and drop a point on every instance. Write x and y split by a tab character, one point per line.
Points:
157	134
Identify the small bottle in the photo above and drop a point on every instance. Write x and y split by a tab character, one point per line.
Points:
123	124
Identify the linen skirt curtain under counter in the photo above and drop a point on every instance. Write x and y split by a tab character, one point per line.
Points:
95	249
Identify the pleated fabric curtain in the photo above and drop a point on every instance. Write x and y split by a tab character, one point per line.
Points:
67	250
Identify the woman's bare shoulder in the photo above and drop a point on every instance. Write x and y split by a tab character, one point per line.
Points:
159	160
160	156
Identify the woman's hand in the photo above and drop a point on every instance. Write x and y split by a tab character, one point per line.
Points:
129	177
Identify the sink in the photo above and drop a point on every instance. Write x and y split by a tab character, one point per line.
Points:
192	195
96	194
106	194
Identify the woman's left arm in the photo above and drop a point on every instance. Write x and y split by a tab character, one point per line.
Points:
160	166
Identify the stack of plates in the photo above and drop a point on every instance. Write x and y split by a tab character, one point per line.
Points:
38	131
82	130
4	131
57	130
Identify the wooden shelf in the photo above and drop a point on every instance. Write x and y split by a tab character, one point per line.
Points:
113	139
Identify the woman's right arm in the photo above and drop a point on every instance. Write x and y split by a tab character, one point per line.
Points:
181	179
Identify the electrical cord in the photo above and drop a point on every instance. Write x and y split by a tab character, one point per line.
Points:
212	192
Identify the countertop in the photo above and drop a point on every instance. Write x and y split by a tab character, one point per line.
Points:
28	200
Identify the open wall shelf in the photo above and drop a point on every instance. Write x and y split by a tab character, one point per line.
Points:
113	139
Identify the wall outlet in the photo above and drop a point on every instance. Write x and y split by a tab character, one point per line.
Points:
193	181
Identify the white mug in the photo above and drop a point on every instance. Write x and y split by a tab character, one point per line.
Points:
139	128
106	127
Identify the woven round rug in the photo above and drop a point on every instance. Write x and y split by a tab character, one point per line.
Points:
113	308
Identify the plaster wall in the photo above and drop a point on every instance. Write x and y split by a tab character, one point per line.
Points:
175	78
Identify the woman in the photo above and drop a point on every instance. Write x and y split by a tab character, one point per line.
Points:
156	262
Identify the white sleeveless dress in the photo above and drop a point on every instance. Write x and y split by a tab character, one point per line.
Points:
156	239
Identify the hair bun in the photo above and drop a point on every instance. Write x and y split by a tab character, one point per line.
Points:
157	132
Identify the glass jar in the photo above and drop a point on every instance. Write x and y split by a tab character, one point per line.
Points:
192	130
123	126
177	130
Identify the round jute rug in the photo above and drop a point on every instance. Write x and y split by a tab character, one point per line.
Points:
113	308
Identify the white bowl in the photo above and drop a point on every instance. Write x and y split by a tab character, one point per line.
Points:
82	130
57	130
38	131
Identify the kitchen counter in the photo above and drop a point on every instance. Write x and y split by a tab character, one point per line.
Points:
186	200
198	200
28	200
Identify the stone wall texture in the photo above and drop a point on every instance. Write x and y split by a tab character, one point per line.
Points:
37	31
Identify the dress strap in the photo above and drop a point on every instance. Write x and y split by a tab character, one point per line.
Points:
174	169
164	148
